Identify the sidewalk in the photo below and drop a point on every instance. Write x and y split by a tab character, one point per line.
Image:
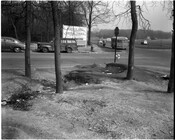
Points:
89	49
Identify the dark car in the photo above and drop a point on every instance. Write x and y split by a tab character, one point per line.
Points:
67	45
9	43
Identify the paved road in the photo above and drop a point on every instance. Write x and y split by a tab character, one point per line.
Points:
159	59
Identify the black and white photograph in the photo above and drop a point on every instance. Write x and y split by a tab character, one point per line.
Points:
87	69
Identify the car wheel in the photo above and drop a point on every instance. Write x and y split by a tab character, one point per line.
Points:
17	49
69	50
45	50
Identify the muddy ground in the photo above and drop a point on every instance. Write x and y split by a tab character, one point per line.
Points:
97	102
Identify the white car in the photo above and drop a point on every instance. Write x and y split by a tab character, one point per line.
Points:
145	42
100	42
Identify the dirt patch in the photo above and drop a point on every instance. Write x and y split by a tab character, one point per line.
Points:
112	108
82	77
116	67
21	100
94	74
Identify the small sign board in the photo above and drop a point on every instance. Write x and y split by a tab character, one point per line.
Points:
116	31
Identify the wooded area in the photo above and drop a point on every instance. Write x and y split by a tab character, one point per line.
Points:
13	18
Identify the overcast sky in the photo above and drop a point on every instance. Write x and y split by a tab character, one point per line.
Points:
156	14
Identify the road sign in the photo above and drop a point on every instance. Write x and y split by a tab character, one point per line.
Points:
116	31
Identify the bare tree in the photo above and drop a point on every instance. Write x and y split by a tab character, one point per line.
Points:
132	40
95	12
171	79
125	16
28	40
137	19
57	42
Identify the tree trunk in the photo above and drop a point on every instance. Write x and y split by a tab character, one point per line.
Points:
89	27
171	79
28	40
57	42
132	40
89	35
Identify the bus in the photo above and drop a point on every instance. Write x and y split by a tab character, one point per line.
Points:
122	42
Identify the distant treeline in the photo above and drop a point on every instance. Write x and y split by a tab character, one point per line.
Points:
141	34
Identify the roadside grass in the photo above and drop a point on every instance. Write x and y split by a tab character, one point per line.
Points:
81	75
156	44
97	103
20	100
152	44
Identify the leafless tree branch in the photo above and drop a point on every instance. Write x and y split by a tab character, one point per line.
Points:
143	22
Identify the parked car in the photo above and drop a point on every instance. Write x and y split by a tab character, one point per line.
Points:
102	43
67	45
9	43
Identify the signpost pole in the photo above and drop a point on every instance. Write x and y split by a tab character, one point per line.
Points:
116	32
115	50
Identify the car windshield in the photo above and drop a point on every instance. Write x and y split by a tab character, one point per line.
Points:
13	40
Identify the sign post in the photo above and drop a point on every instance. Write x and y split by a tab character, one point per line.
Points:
116	32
